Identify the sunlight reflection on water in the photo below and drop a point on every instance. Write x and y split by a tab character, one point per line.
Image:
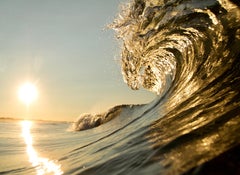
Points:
41	164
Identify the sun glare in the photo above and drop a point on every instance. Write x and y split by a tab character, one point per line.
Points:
27	93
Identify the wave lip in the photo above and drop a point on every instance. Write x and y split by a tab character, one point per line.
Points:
165	42
187	51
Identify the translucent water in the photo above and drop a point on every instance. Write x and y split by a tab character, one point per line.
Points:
186	51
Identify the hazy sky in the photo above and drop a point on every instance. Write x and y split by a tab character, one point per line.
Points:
64	47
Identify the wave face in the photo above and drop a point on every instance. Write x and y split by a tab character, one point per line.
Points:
188	52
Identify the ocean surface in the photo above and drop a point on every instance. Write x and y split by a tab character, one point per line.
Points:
187	52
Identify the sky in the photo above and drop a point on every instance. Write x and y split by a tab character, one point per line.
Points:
65	48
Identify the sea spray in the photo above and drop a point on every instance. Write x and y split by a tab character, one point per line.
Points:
87	120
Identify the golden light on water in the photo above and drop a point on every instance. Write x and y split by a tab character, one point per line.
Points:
27	93
42	165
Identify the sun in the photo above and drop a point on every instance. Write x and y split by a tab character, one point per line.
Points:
27	93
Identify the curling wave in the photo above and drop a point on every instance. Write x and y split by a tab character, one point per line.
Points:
187	51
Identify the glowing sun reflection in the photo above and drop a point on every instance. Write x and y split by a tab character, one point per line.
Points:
42	165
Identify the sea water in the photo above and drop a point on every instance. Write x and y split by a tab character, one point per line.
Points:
40	147
187	52
29	147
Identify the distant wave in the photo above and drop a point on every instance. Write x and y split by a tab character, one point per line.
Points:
87	121
188	52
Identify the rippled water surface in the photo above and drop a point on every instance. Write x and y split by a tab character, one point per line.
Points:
186	51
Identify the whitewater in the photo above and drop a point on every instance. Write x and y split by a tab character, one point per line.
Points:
187	52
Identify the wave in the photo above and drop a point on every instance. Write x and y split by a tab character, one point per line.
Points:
88	121
186	51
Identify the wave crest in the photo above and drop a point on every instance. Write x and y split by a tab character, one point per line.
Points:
164	40
88	121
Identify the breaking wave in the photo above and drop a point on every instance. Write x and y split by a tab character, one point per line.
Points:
186	51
